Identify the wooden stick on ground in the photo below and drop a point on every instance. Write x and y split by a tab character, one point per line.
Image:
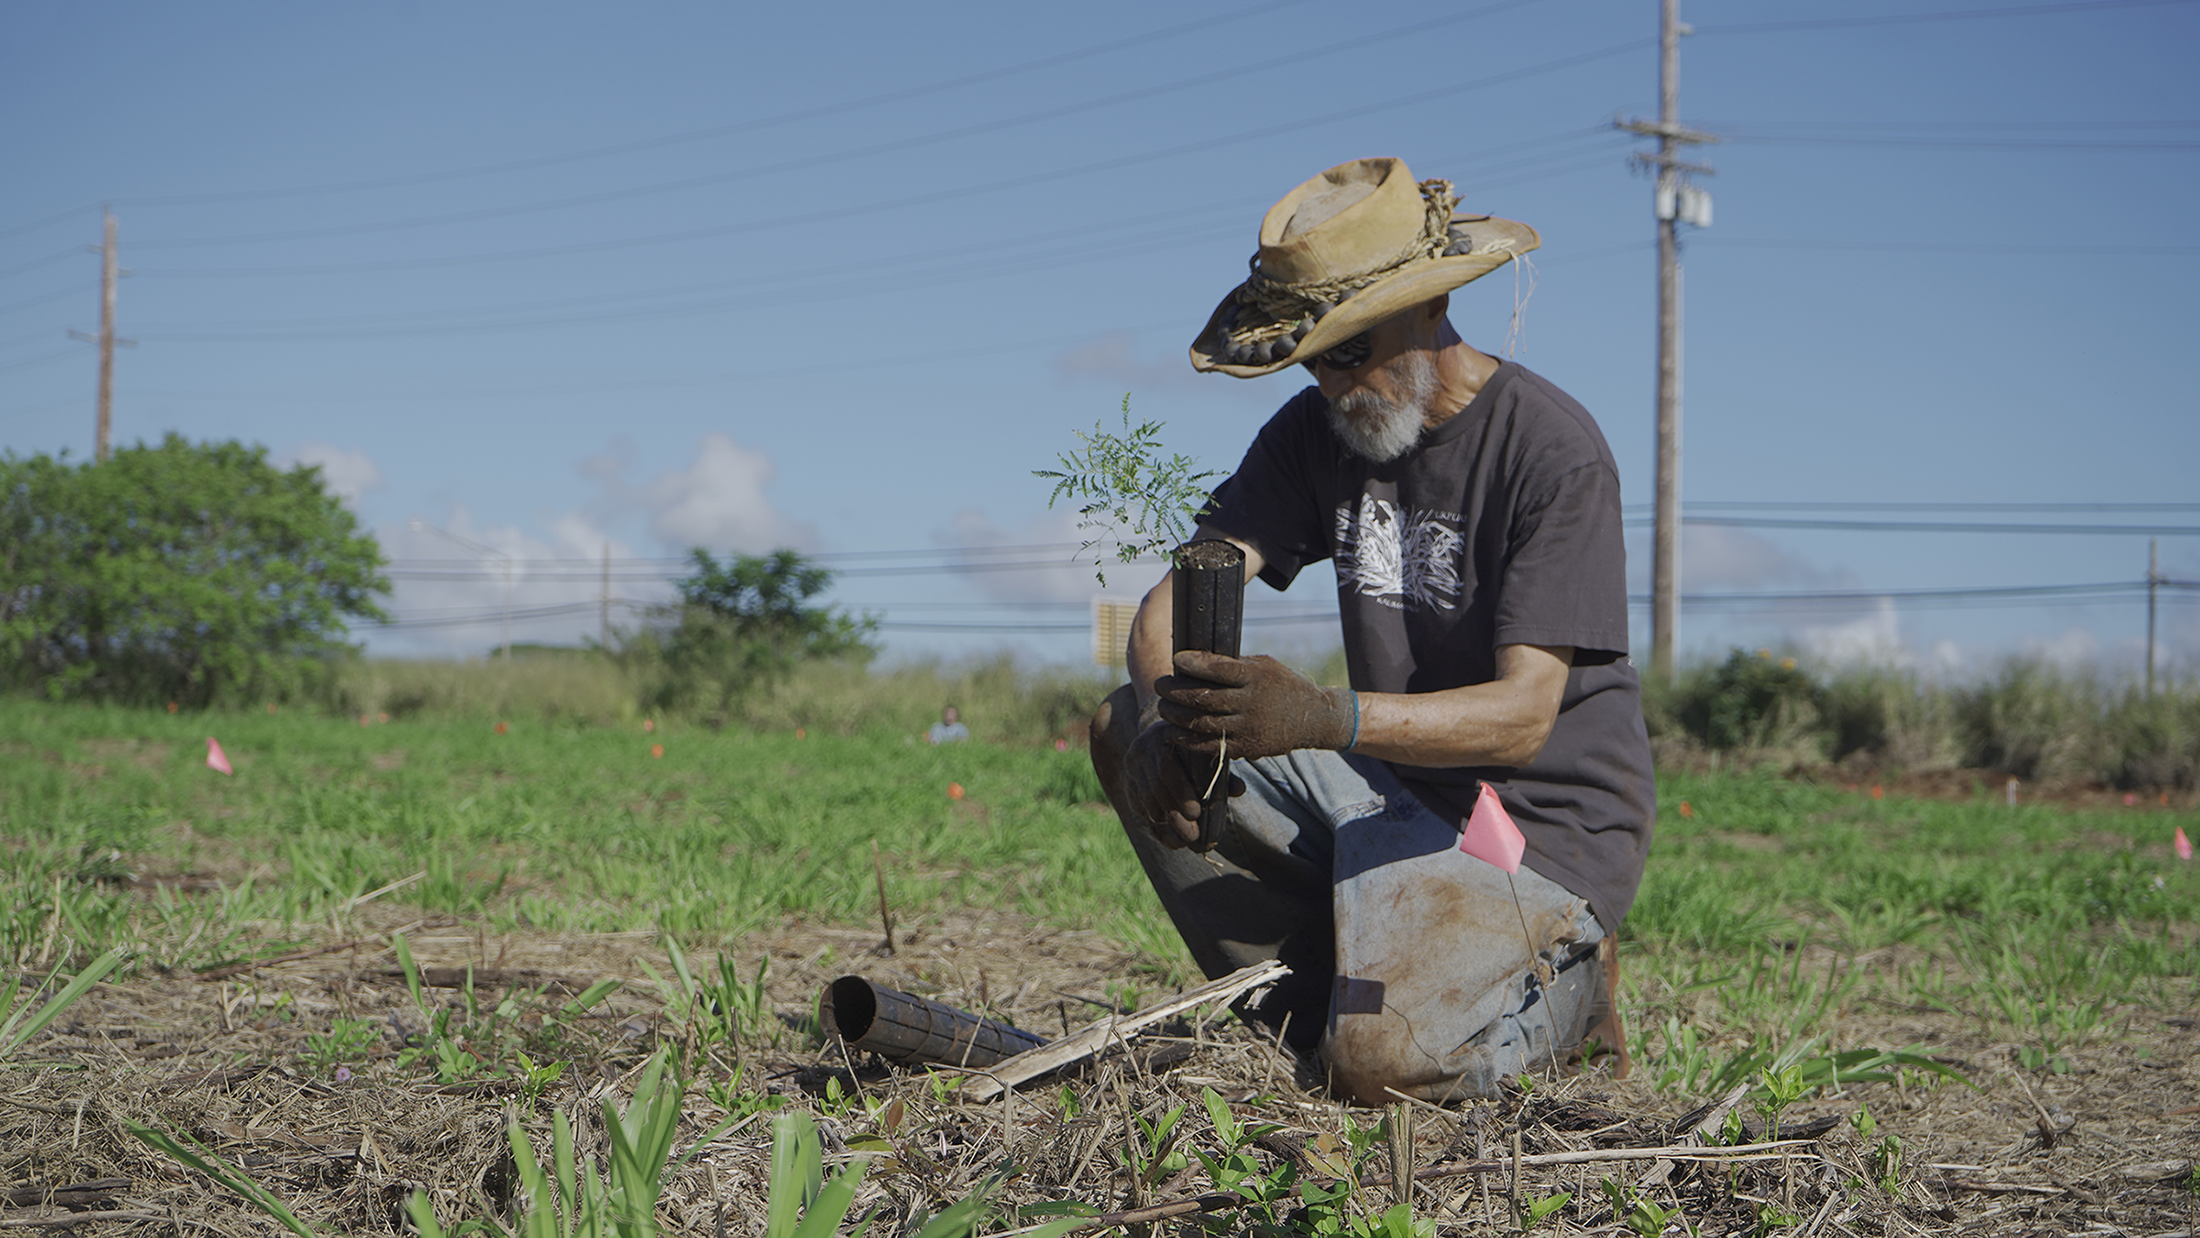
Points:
1089	1039
235	969
66	1220
1710	1123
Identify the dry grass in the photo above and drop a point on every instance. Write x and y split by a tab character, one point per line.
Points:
2102	1149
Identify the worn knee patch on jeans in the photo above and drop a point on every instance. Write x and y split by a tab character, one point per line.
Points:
1451	973
1414	963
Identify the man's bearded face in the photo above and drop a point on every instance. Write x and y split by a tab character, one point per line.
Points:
1379	428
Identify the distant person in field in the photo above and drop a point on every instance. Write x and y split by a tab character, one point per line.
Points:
1472	510
949	729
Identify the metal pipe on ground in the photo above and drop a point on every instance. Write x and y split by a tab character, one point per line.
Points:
906	1028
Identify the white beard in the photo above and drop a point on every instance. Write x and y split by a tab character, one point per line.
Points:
1379	429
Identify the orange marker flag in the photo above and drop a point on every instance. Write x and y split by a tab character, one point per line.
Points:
216	759
2184	844
1491	835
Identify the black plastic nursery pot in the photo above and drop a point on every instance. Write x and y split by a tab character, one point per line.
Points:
1208	594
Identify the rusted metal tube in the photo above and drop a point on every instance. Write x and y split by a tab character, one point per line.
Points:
1208	600
907	1028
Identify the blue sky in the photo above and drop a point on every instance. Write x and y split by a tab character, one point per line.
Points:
555	277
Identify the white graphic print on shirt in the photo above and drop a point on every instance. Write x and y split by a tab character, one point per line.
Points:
1399	557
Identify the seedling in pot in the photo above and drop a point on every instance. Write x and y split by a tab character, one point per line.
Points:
1132	499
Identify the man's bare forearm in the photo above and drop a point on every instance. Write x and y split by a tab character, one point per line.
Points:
1503	722
1153	639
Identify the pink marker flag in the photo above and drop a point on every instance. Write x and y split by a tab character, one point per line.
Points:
2184	844
1491	835
216	759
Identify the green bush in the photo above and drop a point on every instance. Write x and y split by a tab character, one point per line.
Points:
2032	721
1748	701
2152	741
740	627
190	573
2027	719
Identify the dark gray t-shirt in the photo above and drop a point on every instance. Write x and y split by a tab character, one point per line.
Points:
1501	528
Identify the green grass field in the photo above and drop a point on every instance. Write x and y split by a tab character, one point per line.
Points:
576	829
1782	928
1768	907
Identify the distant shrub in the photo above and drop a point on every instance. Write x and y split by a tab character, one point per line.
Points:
1748	701
740	627
2031	721
565	685
2153	741
2026	719
185	572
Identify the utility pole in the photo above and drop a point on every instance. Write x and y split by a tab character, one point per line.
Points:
1676	201
2154	583
108	271
106	337
606	638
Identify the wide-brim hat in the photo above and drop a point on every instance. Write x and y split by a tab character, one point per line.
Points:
1342	252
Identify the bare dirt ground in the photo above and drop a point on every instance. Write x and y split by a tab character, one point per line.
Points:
2102	1150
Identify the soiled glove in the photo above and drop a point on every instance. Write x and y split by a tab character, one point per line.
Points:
1162	791
1259	706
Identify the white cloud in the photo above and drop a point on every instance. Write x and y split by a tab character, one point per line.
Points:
1067	575
552	586
1872	639
2074	650
718	502
1717	557
554	579
348	473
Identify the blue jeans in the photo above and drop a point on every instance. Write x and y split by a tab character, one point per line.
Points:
1415	967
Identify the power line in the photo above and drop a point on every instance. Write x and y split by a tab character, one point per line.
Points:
1841	600
37	263
896	145
1049	238
855	282
47	299
1962	247
746	126
1028	554
1966	126
1855	505
2011	144
1938	526
41	360
1909	19
861	281
1202	145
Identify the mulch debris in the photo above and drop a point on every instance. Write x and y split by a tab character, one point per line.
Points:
242	1063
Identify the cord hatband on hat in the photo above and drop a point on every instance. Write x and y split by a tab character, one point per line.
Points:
1277	315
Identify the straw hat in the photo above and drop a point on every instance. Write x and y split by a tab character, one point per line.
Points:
1343	252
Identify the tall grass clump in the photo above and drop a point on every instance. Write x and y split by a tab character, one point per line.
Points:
1000	699
552	685
2033	721
2155	739
2026	719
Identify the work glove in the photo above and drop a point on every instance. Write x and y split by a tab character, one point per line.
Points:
1163	789
1253	707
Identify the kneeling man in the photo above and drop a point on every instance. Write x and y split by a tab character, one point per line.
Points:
1472	511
